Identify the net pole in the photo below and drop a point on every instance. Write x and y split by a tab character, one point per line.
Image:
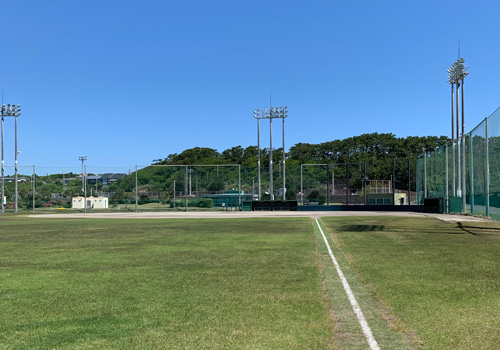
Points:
239	186
417	184
487	170
301	185
394	182
327	184
347	183
136	189
364	184
459	161
271	192
446	175
471	174
34	187
453	138
284	158
464	187
185	187
425	175
409	182
258	156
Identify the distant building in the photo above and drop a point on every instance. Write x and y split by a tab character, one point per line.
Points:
92	202
379	192
105	179
13	179
109	178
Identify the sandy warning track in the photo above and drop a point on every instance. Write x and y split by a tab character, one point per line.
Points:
249	214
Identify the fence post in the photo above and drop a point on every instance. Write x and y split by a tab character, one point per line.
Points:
487	170
446	172
347	182
34	186
301	186
239	186
136	189
327	184
417	181
471	174
394	182
364	183
425	175
186	184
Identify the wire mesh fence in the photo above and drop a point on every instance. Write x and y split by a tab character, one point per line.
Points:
465	174
206	186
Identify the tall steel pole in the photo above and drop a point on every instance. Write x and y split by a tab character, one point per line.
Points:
459	161
409	182
239	187
84	183
487	168
136	189
186	188
453	190
34	187
464	190
15	165
3	170
85	190
258	155
327	184
271	191
284	157
301	186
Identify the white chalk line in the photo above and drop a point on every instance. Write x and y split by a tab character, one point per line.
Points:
355	306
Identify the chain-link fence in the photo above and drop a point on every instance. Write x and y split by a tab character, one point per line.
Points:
465	175
205	186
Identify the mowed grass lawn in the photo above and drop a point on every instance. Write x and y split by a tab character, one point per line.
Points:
160	284
440	280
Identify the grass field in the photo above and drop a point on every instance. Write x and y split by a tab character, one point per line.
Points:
441	280
161	284
247	283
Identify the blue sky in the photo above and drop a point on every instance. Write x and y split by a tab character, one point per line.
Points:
126	82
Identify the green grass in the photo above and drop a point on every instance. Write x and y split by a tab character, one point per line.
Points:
441	280
160	284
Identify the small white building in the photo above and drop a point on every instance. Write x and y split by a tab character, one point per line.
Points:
92	202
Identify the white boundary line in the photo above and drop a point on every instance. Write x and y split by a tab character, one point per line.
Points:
355	306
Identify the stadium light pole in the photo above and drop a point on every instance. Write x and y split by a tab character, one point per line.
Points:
271	113
271	187
456	76
3	170
9	111
17	113
256	115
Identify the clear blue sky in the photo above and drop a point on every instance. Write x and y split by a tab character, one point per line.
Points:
126	82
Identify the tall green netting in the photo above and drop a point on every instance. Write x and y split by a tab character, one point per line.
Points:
478	178
436	173
440	173
494	163
421	179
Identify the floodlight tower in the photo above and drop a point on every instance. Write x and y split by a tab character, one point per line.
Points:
456	76
256	115
9	111
271	113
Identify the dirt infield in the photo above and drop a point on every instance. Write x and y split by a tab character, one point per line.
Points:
251	214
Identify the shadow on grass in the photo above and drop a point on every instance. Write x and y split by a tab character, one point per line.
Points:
461	226
362	228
